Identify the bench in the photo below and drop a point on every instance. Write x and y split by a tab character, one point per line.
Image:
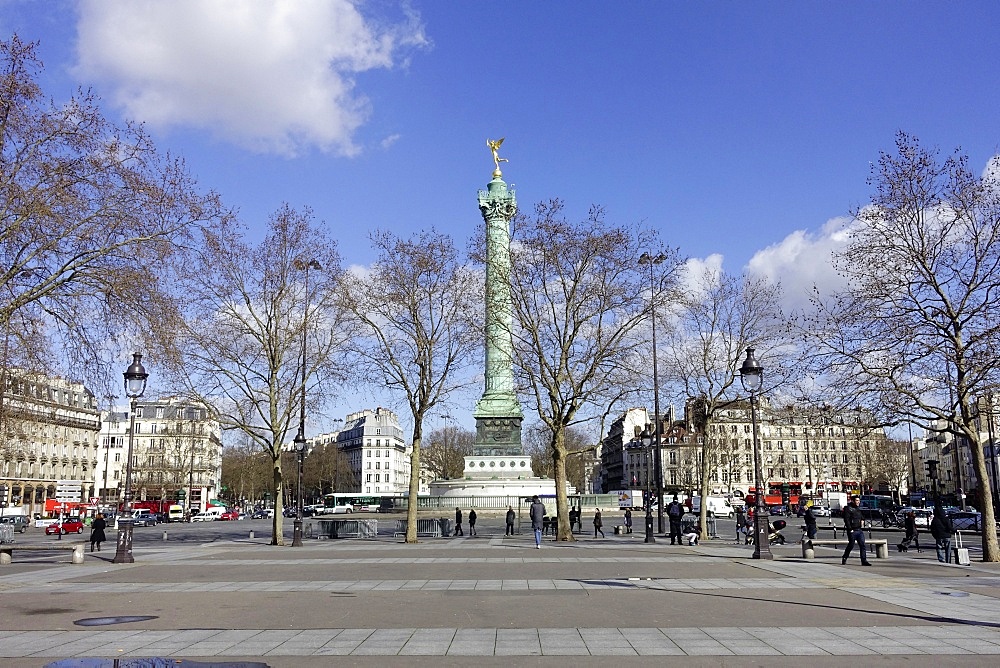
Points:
7	550
880	545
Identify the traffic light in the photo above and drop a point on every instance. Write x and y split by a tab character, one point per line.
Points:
932	471
3	495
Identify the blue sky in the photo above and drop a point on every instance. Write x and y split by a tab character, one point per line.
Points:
744	131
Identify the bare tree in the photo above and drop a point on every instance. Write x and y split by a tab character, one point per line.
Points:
445	452
578	299
240	345
416	309
327	470
578	446
714	321
915	334
94	218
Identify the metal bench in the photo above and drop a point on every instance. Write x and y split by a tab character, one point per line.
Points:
880	545
7	550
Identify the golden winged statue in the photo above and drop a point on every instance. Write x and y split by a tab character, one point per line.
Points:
494	145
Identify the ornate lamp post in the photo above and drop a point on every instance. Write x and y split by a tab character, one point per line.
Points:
647	259
300	437
647	440
752	379
135	385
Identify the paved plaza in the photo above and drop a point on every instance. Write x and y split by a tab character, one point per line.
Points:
495	600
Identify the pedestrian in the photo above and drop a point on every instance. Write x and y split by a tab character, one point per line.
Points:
510	521
458	523
810	518
598	524
472	521
579	520
628	520
910	525
675	511
574	514
942	529
537	514
97	528
741	519
693	534
853	523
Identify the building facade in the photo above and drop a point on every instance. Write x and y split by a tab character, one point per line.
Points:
48	438
810	450
379	458
176	454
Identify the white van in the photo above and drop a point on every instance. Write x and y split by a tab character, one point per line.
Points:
717	505
175	514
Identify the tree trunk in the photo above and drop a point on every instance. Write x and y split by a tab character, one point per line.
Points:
565	532
411	506
277	537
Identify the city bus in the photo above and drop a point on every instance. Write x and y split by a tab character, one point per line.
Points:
352	502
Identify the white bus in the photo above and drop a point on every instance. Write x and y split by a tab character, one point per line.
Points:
352	502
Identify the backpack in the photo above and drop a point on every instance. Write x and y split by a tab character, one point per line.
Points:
674	510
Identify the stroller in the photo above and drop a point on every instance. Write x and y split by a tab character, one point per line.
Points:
775	537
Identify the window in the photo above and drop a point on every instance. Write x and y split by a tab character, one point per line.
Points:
138	411
159	412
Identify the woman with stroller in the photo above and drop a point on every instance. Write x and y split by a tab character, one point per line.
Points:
910	524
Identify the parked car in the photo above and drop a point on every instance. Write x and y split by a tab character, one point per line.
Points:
230	515
19	522
69	525
967	521
263	514
205	517
922	517
143	517
821	511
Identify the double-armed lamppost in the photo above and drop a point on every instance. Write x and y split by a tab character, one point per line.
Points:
752	378
300	437
135	385
647	259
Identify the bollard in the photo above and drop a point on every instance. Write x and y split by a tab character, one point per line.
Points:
164	535
251	533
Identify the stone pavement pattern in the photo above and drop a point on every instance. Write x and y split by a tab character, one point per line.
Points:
494	597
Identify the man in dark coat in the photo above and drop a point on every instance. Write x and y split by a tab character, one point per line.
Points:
675	511
854	525
810	518
458	523
511	516
942	529
97	532
472	522
537	514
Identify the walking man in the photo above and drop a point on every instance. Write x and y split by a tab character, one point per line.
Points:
598	524
675	511
853	524
574	515
537	514
472	521
810	518
740	522
510	521
628	520
458	522
942	529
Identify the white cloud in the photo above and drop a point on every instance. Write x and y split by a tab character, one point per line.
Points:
273	76
692	274
803	260
390	140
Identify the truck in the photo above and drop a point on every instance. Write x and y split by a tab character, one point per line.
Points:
717	505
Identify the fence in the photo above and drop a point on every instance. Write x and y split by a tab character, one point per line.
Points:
347	528
602	501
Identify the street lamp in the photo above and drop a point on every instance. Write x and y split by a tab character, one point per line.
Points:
300	437
135	385
647	440
647	259
752	379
